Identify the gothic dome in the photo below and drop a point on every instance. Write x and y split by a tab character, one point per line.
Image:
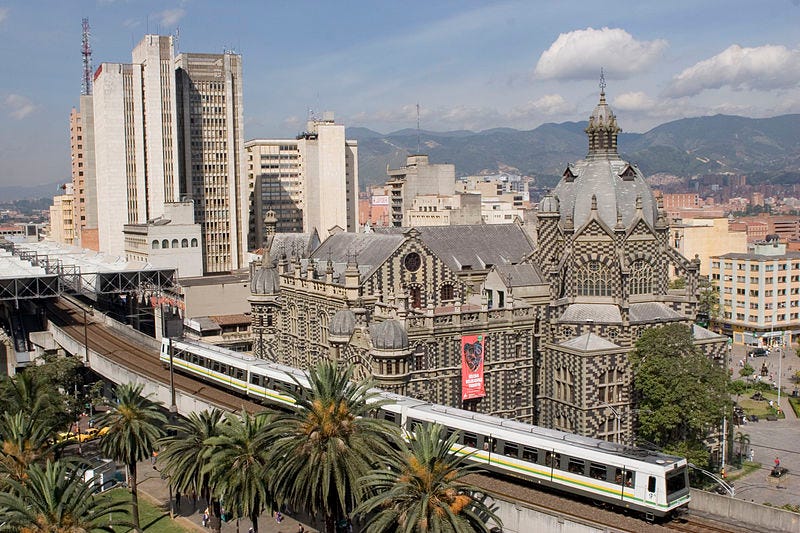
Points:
389	335
342	324
549	204
265	280
619	187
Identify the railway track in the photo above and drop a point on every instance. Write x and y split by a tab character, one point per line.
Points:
128	353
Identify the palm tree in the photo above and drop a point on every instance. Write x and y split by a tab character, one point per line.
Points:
135	426
423	489
182	456
327	442
55	499
744	443
24	393
24	441
237	466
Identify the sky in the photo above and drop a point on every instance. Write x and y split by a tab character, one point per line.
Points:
467	64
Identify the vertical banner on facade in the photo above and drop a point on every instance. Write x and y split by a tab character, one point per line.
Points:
472	367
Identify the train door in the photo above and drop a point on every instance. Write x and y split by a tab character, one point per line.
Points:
651	494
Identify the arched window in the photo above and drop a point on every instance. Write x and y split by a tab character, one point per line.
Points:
155	245
184	243
194	243
323	327
174	243
593	279
641	277
416	297
564	385
446	292
165	244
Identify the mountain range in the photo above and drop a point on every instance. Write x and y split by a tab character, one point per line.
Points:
764	148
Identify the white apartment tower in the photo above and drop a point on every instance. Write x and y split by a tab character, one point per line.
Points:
310	183
210	118
136	149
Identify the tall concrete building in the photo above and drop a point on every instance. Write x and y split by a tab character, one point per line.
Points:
310	183
62	216
136	149
211	144
418	177
81	143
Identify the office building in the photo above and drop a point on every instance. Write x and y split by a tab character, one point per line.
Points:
81	141
211	143
62	216
418	177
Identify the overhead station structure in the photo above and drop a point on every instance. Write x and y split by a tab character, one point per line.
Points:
45	269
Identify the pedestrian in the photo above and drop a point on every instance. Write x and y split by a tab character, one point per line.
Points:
752	454
205	518
278	516
301	529
153	459
777	462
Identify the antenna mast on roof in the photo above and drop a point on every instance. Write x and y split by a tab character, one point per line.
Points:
418	143
86	52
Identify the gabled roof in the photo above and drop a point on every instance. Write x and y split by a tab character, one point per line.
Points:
653	311
600	313
370	250
589	342
474	247
522	275
701	333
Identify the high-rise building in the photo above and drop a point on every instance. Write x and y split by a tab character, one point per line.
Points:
62	212
310	183
211	144
418	177
81	141
136	149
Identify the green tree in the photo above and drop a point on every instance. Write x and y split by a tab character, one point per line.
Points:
678	283
423	490
744	443
135	424
25	441
36	397
746	370
327	442
681	394
55	499
708	302
236	462
183	453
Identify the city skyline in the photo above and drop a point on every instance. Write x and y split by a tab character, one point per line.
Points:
469	65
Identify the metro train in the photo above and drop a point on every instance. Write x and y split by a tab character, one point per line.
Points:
648	482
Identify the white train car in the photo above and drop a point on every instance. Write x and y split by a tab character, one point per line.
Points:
652	483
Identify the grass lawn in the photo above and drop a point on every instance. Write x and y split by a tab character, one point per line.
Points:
759	407
152	518
795	402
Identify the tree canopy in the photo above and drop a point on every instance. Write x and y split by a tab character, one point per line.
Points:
681	394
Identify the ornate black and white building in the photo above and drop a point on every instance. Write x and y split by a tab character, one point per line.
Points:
558	305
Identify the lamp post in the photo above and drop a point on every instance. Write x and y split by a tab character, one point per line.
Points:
619	419
86	335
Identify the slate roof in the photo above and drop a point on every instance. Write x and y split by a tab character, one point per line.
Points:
701	333
652	311
601	313
297	244
371	250
589	342
522	275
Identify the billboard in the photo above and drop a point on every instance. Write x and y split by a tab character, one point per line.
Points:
380	200
472	357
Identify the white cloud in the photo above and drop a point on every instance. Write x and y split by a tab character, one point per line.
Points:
579	54
3	13
170	17
634	101
549	104
18	106
761	68
131	23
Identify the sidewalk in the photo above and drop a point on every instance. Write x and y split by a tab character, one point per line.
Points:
152	486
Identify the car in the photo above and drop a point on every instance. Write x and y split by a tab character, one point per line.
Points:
88	434
759	352
66	436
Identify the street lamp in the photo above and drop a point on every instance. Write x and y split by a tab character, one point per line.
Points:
86	335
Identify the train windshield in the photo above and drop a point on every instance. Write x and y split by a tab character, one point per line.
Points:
676	483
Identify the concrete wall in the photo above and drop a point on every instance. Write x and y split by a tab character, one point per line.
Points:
518	518
218	299
739	511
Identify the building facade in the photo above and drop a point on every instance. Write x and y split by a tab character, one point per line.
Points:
759	293
210	120
62	217
418	177
81	143
706	237
553	316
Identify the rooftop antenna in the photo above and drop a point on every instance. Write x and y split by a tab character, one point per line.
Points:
86	52
418	143
175	38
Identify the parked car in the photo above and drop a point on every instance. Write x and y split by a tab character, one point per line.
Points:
93	433
66	436
759	352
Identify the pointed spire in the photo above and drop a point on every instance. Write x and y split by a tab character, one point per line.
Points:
602	129
594	202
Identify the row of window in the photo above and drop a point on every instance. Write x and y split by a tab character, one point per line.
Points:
184	243
755	267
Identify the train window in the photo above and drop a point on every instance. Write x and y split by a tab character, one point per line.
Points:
597	471
553	460
629	477
240	374
471	440
651	484
676	482
510	449
255	379
489	444
389	416
530	454
414	424
576	466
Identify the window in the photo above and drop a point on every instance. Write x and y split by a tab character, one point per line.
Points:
194	243
416	297
511	450
651	484
593	279
530	454
564	385
155	245
597	471
165	244
576	466
446	292
641	281
184	243
174	243
553	459
610	386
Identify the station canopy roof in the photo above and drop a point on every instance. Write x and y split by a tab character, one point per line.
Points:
45	269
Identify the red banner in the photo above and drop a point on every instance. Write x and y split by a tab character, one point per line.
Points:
472	367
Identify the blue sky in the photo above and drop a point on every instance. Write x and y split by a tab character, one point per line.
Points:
470	65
